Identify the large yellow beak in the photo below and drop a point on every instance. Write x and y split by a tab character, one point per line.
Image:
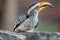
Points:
44	5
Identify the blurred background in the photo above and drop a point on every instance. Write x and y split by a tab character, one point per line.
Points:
49	18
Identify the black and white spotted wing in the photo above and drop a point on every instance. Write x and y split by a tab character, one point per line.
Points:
20	20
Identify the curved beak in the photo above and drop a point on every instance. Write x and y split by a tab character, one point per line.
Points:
43	5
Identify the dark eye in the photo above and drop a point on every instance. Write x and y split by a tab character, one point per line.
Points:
36	7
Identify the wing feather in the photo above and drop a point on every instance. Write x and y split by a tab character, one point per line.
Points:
20	20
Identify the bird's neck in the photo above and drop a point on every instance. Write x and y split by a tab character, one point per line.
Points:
35	13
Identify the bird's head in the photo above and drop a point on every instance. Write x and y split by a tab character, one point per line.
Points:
39	6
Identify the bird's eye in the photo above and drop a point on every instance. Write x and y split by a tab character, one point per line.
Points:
36	7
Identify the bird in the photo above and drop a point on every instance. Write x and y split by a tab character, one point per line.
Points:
28	22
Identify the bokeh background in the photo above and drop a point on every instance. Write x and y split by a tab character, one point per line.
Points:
49	18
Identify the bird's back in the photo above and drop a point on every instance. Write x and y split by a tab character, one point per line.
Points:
20	20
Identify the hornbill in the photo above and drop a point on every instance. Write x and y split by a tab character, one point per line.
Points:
28	22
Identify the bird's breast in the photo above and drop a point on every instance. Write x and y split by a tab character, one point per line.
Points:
34	20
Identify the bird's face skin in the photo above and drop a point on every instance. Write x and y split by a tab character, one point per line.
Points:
43	5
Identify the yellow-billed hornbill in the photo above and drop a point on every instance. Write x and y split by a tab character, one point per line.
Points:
27	23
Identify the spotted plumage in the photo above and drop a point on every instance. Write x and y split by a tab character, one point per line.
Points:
20	20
